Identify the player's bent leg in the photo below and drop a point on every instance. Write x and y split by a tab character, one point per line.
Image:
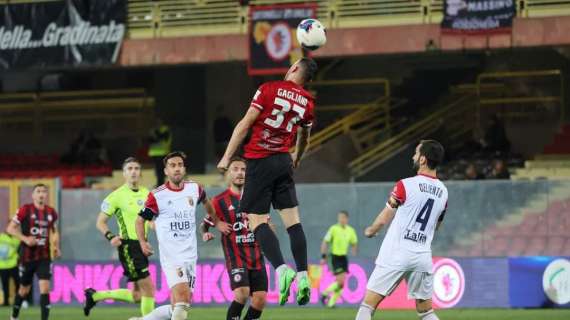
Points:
337	292
181	297
44	298
136	292
369	305
258	301
298	242
241	295
270	246
21	295
425	309
147	295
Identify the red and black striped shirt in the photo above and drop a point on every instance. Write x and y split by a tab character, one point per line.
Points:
240	248
37	223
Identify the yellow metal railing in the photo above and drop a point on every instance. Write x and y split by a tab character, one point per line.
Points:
375	155
39	108
164	18
521	96
375	112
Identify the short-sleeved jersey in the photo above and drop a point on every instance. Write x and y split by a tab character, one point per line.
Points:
37	223
240	248
284	106
174	212
340	239
407	244
125	204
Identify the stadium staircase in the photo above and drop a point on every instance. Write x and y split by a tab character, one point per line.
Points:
377	116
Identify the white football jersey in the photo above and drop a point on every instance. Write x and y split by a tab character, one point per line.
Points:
407	244
175	220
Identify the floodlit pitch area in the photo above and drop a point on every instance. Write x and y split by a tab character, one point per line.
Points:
287	313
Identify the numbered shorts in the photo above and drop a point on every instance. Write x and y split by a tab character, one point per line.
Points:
180	273
134	262
339	264
42	268
256	280
269	181
385	280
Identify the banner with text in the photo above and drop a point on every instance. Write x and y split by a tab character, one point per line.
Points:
61	33
460	282
478	16
273	44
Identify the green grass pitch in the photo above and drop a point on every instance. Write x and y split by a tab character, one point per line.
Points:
288	313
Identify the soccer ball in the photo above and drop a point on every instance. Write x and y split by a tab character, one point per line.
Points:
311	34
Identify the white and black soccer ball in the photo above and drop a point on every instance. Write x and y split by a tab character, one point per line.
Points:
311	34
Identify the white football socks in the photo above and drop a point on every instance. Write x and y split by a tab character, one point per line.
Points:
428	315
180	311
365	312
161	313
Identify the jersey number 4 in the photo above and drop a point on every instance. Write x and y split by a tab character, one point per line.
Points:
280	114
423	216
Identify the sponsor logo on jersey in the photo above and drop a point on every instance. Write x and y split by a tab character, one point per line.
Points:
191	201
140	203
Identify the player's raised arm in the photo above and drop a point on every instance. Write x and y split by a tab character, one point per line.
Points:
239	134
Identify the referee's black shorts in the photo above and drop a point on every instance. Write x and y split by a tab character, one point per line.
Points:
134	262
339	264
269	181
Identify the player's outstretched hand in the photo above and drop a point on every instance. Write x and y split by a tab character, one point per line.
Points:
223	165
30	241
146	248
116	241
224	227
207	236
369	232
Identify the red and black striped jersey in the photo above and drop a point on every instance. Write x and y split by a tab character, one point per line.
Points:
38	223
240	248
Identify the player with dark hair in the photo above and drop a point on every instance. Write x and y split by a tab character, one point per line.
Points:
244	261
124	204
173	207
340	237
35	226
279	112
415	208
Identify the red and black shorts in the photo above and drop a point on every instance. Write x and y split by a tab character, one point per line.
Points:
41	268
256	280
269	181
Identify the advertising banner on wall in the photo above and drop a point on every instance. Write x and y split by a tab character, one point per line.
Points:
478	16
539	282
61	33
457	283
273	45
